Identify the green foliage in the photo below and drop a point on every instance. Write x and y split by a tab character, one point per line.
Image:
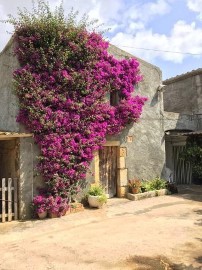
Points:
149	185
42	17
193	154
154	184
102	199
144	186
98	190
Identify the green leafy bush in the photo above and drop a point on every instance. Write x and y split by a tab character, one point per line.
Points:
193	154
154	184
98	190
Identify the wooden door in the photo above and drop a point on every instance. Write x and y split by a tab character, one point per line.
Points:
108	169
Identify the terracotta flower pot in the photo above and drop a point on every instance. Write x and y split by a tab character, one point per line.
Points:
53	215
66	212
42	215
135	190
76	207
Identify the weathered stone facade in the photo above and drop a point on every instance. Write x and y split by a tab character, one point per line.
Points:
144	139
27	151
182	99
183	93
183	111
141	147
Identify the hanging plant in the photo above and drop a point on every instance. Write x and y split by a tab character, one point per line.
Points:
64	77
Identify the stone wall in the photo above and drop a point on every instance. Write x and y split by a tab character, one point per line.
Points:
28	150
183	109
179	121
183	94
145	147
142	143
8	100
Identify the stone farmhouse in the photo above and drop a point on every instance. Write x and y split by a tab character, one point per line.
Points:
142	150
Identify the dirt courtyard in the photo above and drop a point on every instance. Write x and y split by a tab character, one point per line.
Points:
156	233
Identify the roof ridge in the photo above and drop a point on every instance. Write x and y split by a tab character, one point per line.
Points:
183	76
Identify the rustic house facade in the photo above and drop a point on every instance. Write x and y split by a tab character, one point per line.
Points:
139	151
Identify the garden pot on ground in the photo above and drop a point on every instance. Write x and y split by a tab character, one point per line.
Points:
42	215
66	212
94	201
76	207
135	190
53	215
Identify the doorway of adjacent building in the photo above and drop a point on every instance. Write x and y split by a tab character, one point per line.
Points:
181	170
108	169
8	180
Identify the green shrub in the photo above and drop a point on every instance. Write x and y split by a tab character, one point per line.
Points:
155	184
96	190
144	187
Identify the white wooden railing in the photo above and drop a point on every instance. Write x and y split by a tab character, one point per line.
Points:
8	199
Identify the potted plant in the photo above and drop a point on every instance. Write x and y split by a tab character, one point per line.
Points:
96	196
135	185
57	206
40	206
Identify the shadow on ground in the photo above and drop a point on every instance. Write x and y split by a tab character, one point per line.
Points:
157	263
190	192
199	221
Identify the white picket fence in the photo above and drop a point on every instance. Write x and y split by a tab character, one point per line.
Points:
8	199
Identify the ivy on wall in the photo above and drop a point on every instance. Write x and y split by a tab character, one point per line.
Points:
64	77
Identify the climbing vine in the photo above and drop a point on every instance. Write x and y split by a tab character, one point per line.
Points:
64	78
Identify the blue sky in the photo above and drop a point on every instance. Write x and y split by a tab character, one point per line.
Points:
154	26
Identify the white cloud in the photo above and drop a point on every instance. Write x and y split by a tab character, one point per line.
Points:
130	23
180	40
148	11
196	6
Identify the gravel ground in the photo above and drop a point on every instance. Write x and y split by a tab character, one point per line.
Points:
156	233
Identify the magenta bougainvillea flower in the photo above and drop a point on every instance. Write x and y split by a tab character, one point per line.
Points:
64	79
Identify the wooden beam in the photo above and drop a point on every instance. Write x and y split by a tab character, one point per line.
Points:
112	143
10	136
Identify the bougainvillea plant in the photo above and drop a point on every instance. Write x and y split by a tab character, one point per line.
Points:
39	204
65	76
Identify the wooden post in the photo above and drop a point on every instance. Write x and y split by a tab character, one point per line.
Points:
3	196
9	199
15	198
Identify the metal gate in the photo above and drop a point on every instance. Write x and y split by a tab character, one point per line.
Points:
8	199
182	168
